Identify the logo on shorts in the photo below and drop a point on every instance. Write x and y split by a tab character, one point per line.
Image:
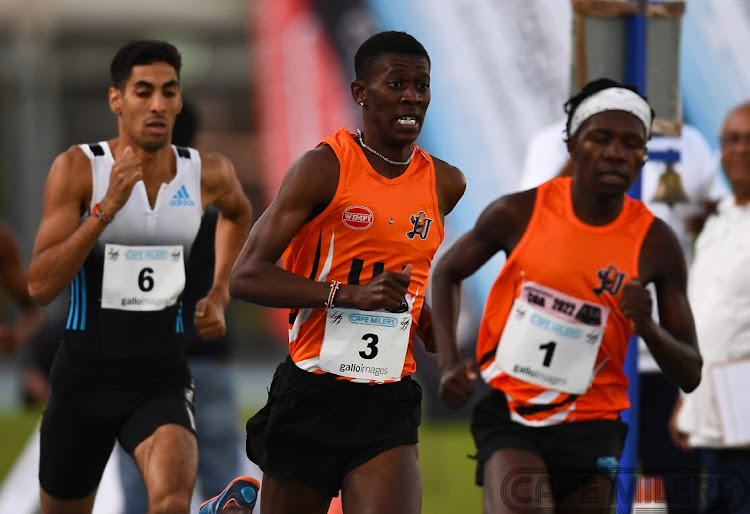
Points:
611	279
608	464
357	217
420	225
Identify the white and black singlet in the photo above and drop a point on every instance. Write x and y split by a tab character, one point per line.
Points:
126	300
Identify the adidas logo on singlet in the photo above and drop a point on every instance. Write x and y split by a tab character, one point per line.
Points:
181	197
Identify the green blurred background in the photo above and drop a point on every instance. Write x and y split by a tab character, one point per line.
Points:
447	471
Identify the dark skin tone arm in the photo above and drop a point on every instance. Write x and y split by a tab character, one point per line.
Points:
499	228
308	187
451	185
672	341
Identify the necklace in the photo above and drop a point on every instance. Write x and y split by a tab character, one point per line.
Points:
386	159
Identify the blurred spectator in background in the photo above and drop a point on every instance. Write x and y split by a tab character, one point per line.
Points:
547	157
37	355
216	417
719	293
13	279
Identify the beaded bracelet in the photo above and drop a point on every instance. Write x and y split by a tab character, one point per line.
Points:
335	284
97	211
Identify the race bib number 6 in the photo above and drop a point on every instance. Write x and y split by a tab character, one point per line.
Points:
142	278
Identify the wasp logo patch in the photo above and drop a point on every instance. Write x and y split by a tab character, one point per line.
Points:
420	225
611	279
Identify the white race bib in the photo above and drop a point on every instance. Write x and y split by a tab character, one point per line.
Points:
142	278
365	344
552	339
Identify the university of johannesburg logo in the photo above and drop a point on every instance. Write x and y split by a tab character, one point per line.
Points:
181	197
611	279
420	225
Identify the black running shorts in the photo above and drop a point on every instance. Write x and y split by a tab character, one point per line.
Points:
572	452
92	404
315	429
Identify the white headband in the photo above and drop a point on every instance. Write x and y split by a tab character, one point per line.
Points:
612	99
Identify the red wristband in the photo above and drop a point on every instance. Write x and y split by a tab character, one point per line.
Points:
335	284
97	211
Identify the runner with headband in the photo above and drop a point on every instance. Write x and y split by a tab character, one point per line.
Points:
555	330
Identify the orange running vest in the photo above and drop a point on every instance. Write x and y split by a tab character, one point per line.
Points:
591	263
373	224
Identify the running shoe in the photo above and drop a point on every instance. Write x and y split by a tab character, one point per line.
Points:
241	492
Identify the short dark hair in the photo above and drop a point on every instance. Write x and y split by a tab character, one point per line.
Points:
144	51
590	89
382	43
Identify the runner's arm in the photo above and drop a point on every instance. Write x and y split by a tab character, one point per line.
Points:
223	189
62	241
308	186
672	341
451	185
498	228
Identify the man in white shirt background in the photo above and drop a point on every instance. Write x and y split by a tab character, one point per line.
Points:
719	294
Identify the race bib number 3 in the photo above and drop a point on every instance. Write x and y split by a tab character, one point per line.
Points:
365	344
547	340
142	278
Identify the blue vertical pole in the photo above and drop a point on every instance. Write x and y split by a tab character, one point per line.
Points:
635	73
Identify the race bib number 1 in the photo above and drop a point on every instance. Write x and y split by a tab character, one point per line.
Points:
551	339
142	278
